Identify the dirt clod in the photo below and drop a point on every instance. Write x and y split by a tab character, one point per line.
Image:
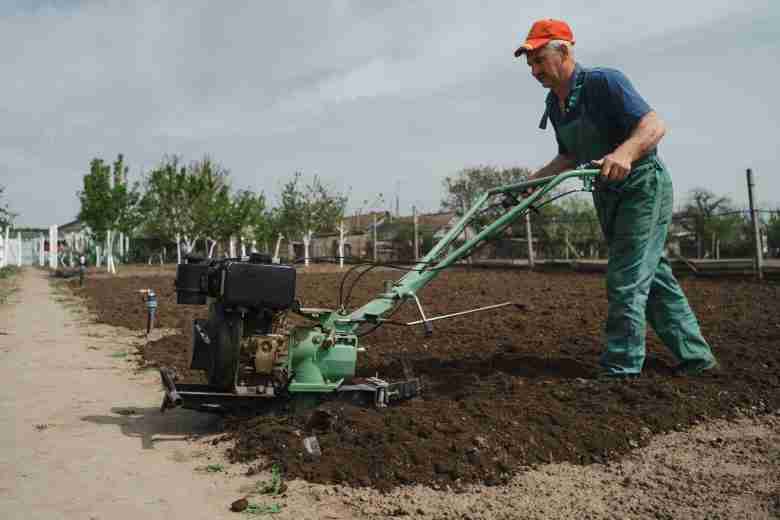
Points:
239	505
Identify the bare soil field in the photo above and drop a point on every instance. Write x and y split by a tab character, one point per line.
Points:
503	390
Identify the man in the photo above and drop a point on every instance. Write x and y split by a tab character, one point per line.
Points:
600	118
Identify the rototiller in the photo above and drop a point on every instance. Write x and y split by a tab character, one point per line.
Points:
252	361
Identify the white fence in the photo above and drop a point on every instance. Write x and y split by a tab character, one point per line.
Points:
30	250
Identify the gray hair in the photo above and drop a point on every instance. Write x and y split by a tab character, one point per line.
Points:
559	45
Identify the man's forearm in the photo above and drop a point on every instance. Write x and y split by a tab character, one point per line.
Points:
646	136
559	164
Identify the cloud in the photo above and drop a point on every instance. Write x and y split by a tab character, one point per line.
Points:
364	93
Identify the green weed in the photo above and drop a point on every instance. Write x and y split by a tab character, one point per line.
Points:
9	271
7	287
274	486
263	509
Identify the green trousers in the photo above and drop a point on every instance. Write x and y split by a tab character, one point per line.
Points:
635	215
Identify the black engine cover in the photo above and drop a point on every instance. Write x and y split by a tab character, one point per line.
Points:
271	286
188	284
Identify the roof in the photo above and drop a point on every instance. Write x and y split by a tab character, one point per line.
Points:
73	225
434	221
361	222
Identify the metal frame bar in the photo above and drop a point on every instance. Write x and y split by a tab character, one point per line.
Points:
428	268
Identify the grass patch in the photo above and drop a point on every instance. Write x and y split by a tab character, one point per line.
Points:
211	468
119	355
263	509
5	292
7	282
274	486
9	272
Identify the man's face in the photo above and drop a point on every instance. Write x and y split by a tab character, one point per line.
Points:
546	66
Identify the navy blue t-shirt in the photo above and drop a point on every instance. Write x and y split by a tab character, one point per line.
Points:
612	102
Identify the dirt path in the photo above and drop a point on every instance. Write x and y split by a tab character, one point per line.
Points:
78	440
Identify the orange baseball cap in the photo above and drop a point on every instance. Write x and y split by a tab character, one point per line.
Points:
543	32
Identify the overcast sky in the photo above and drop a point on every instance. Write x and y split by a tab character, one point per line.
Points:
374	99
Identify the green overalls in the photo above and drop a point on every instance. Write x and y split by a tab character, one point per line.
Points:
635	214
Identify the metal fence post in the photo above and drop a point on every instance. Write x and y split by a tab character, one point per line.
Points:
416	238
374	241
341	244
758	261
530	241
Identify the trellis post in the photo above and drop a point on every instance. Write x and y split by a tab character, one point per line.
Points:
758	260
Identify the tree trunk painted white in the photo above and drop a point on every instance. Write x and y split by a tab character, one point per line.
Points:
127	245
341	245
243	247
232	247
121	246
254	246
306	242
53	238
189	244
9	252
6	245
211	248
178	248
2	249
110	265
42	251
113	258
276	258
19	249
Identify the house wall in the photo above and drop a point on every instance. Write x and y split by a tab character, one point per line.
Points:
356	245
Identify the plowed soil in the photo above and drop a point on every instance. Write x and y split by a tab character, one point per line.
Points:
503	389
